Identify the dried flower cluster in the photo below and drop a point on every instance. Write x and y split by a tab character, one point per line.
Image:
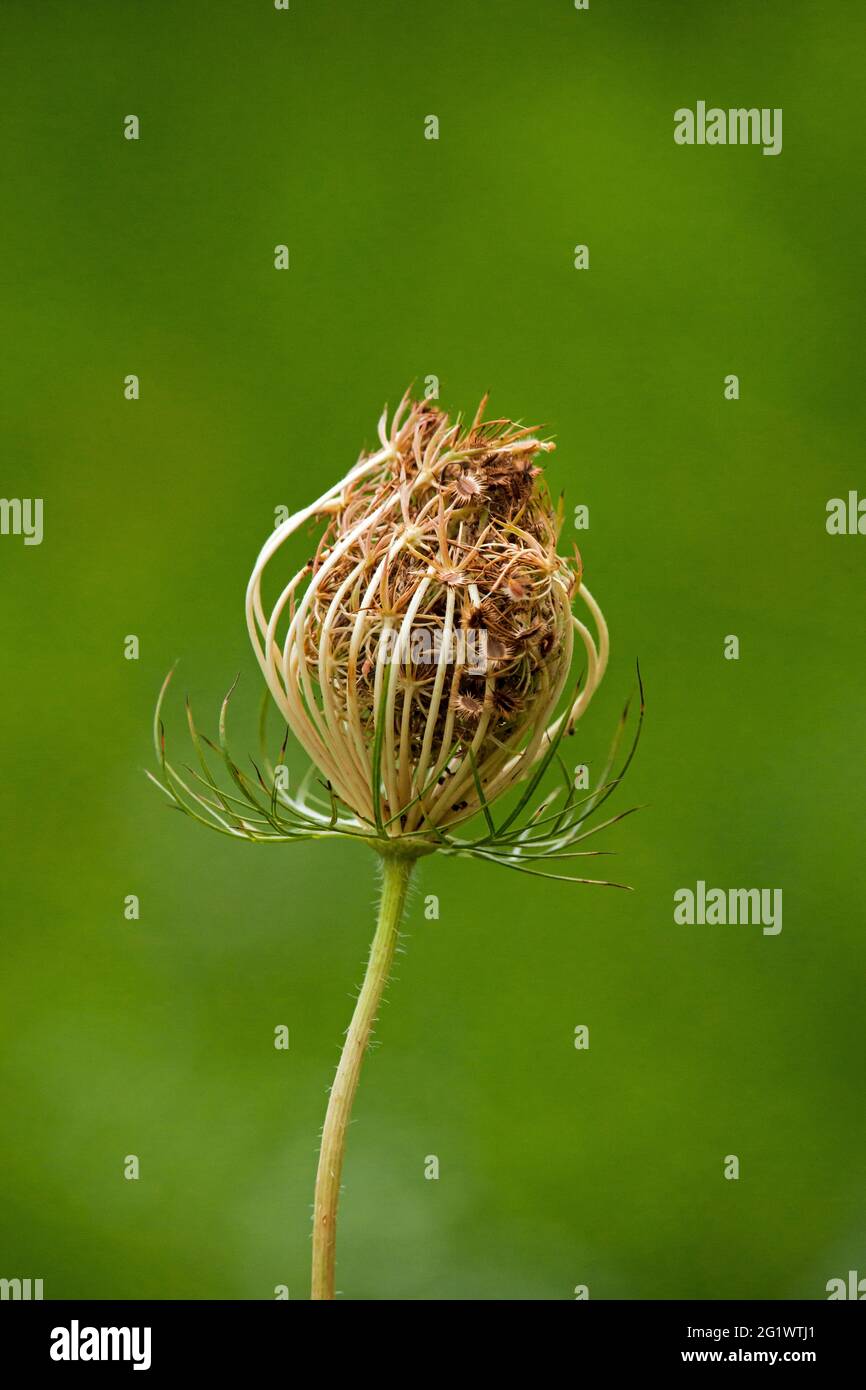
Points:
446	532
419	656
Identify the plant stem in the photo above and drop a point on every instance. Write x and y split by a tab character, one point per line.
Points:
397	871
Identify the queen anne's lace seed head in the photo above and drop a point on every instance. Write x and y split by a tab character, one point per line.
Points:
420	654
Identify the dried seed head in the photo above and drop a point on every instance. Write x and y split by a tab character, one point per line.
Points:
426	652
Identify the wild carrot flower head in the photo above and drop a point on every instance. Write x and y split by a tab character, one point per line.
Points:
420	653
422	656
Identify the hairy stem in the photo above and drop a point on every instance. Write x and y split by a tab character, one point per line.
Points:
397	871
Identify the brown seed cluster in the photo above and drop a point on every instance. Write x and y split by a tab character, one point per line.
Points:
471	553
433	621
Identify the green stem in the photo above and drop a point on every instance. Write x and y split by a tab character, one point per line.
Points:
397	871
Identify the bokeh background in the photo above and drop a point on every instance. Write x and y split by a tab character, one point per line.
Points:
707	517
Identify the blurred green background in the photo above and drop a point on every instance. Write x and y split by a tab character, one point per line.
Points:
258	389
